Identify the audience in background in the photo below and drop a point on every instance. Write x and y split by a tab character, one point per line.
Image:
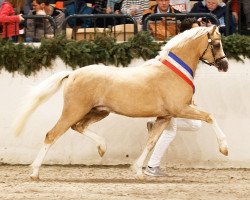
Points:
100	7
215	7
27	7
246	7
78	7
234	9
135	8
160	7
9	19
138	9
39	28
112	6
211	6
181	5
164	27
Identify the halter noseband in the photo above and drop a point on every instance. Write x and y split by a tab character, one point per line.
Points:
212	50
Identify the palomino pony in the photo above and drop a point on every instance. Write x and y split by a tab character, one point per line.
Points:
162	88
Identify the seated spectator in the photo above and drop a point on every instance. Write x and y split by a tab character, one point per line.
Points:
161	7
9	19
161	30
100	7
78	7
211	6
111	6
136	8
36	29
181	5
246	8
27	7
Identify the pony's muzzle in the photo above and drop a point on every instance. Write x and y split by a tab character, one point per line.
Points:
222	64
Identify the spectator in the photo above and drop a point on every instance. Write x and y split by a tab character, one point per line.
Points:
181	5
136	8
111	6
10	20
234	9
36	29
78	7
159	30
100	7
27	7
161	7
215	7
246	7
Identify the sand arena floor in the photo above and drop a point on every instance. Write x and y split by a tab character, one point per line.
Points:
112	183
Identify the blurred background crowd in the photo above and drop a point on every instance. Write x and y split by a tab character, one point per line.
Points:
27	17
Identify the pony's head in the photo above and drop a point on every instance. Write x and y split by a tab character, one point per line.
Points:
204	43
213	53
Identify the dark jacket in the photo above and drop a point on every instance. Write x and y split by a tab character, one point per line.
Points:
78	7
219	12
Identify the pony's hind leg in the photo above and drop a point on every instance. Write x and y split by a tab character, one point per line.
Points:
92	117
192	113
155	131
64	123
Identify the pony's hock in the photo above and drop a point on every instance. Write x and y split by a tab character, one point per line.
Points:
162	87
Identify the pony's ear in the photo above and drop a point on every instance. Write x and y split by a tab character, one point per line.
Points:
213	29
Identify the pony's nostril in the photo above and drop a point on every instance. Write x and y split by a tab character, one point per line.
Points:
222	65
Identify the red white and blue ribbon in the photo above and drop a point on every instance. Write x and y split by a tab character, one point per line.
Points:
180	68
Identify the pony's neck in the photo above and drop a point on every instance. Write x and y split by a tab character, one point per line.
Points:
187	55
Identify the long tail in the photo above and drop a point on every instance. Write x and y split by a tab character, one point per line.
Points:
38	95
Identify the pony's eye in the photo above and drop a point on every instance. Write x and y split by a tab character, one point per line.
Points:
217	46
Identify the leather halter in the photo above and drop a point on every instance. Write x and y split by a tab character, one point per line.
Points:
212	50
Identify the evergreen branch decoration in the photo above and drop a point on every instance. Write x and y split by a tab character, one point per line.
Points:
236	46
28	59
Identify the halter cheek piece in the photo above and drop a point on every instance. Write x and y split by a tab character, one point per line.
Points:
212	50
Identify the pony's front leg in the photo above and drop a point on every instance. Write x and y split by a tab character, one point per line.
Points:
157	129
192	113
223	146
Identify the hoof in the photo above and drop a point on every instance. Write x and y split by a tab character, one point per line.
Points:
140	177
34	178
102	150
224	151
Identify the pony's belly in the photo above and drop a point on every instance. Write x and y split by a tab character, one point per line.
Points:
134	112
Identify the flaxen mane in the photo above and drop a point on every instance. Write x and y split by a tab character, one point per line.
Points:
182	39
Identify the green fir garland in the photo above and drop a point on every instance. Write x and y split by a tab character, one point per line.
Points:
29	59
